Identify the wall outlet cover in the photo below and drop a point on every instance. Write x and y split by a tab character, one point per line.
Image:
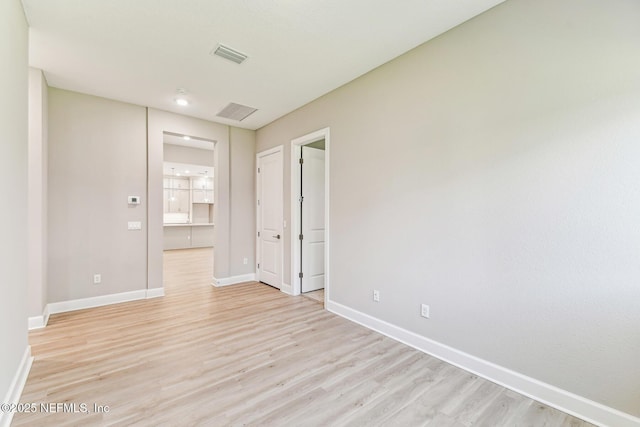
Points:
424	310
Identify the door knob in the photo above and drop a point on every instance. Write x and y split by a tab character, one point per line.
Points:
277	236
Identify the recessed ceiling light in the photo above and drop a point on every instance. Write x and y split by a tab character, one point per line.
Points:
186	137
181	97
186	171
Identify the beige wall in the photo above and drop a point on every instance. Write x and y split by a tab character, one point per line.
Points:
492	173
243	199
188	155
100	152
97	157
230	150
162	121
37	193
13	173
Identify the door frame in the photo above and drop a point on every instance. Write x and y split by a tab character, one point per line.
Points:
296	150
278	149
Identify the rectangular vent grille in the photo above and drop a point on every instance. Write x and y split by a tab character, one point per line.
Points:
227	53
236	112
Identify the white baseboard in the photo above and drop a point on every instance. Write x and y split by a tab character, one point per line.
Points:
39	322
233	280
155	293
287	289
80	304
563	400
16	387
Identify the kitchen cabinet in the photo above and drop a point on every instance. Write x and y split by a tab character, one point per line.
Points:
201	236
202	190
177	197
184	236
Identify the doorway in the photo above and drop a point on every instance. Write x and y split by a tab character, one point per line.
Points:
188	206
310	213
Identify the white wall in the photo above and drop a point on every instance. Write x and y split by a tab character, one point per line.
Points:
13	174
97	157
37	192
492	173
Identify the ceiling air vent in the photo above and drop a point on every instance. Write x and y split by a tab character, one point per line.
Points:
227	53
236	112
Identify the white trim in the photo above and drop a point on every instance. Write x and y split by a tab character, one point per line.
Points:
16	387
155	293
36	322
296	146
548	394
270	151
80	304
234	280
39	322
286	288
277	149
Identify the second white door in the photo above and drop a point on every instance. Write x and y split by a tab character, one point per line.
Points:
313	228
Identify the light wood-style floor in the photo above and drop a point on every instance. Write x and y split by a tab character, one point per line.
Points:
315	295
250	355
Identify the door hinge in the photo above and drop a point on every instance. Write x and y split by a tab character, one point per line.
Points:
258	234
301	237
258	202
258	170
301	199
258	266
300	275
301	160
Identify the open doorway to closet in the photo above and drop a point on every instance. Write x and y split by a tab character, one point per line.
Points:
188	210
310	214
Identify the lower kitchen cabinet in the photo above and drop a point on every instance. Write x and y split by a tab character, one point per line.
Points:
187	236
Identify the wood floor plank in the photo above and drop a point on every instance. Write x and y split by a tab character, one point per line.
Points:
249	355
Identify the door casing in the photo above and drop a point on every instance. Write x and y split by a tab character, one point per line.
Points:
295	229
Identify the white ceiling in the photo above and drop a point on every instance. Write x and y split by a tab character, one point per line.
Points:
142	51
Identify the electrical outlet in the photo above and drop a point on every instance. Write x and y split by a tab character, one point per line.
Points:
376	296
97	278
424	310
245	261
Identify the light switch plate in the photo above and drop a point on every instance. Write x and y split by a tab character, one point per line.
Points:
134	225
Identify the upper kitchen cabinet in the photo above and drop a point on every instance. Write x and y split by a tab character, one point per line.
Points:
202	190
176	195
188	180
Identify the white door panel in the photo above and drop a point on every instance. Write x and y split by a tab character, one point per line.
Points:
270	205
312	219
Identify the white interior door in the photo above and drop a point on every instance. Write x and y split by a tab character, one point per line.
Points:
312	219
270	206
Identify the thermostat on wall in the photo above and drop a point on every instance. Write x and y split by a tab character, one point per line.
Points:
134	200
